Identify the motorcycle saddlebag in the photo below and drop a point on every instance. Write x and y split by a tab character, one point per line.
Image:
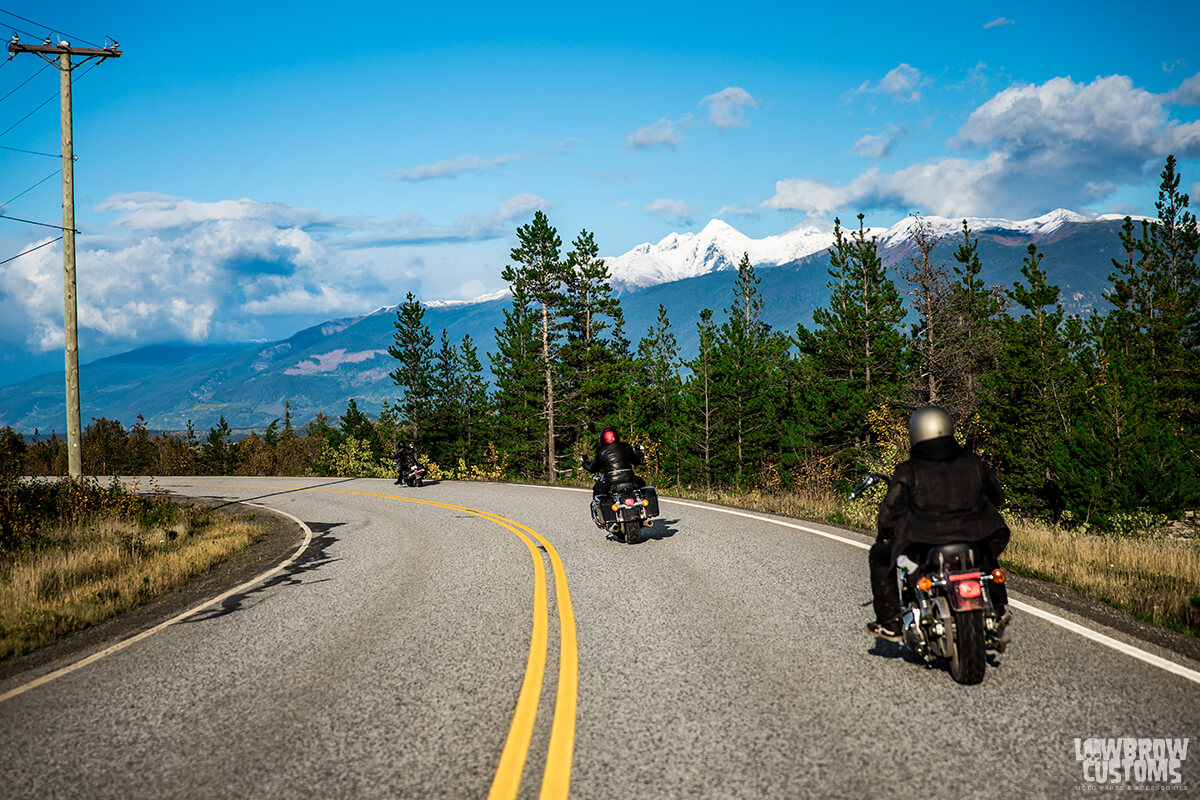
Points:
604	505
648	493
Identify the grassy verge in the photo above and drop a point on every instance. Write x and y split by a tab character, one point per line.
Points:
1153	576
97	553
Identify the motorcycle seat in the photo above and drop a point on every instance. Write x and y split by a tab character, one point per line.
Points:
956	556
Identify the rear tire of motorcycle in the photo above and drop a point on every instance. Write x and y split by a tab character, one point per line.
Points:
969	659
419	483
633	532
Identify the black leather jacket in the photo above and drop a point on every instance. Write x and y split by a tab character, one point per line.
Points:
616	462
942	494
404	456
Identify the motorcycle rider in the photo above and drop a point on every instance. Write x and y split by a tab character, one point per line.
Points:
942	493
405	456
615	461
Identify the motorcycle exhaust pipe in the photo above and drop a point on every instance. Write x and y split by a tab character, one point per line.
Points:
649	523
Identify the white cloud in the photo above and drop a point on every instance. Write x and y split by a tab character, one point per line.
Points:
999	22
880	145
727	108
1188	93
412	229
455	167
172	269
671	210
1043	146
901	83
664	133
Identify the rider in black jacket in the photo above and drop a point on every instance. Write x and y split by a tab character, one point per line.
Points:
943	493
615	460
405	456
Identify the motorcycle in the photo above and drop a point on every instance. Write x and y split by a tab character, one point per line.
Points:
414	476
625	510
946	602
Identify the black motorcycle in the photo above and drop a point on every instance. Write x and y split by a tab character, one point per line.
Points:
414	476
625	510
945	596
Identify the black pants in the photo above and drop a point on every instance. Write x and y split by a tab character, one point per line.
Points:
886	598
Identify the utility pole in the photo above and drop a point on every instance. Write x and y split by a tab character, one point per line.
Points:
64	64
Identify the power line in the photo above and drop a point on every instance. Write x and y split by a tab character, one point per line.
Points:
27	80
47	27
31	188
33	152
49	99
30	250
31	222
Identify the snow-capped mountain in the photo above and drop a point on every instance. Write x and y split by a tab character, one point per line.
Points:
719	246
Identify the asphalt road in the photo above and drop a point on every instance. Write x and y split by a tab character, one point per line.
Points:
439	649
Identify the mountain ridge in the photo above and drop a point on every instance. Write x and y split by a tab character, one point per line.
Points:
319	368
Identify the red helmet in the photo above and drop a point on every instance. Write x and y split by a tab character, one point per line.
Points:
608	436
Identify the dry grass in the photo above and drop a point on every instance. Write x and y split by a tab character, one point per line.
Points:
1156	578
96	570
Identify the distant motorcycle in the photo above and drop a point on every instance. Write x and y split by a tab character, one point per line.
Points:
414	476
946	603
625	510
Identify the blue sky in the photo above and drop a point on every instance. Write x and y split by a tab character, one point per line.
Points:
248	169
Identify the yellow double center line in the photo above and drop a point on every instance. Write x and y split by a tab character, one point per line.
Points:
556	779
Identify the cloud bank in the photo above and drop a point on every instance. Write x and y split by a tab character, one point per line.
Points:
174	269
1042	146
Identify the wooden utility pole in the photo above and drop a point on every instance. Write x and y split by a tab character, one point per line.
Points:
65	52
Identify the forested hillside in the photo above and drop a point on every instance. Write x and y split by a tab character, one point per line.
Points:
1086	417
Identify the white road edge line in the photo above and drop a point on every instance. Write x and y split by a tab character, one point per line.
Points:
1087	633
121	645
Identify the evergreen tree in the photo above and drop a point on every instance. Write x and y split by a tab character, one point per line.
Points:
935	336
538	261
413	345
446	413
857	348
976	309
473	402
699	412
218	453
746	366
518	382
1029	402
357	425
659	399
588	357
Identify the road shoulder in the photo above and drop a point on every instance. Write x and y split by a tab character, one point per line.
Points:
280	539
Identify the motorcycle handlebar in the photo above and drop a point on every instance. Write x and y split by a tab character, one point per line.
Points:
872	479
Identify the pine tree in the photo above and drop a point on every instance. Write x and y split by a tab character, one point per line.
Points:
539	263
1030	392
412	348
443	442
934	335
659	398
699	412
589	356
473	401
746	361
518	382
976	309
357	425
857	349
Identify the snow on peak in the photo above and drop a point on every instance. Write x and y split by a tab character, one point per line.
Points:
719	246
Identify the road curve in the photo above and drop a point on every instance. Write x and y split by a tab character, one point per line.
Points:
488	640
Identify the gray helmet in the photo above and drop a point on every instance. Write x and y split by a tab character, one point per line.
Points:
929	422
